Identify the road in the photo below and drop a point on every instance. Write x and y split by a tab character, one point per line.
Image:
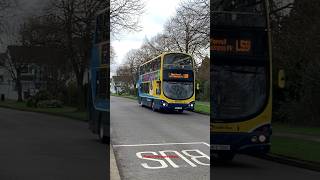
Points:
177	143
42	147
245	167
136	129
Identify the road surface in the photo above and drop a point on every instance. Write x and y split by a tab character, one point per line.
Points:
245	167
136	130
42	147
152	145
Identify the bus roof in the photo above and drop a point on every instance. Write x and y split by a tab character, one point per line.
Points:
162	54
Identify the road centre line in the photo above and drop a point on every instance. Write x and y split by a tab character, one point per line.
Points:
160	144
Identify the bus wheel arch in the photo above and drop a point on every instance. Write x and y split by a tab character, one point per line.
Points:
153	105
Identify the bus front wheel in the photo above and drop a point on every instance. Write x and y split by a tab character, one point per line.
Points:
153	106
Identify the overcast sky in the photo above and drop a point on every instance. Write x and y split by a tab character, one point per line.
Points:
157	12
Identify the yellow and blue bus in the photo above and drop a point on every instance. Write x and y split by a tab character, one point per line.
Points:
98	79
167	82
241	92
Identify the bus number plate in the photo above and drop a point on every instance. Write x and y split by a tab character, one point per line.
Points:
219	147
178	108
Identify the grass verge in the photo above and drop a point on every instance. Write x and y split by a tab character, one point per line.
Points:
285	128
200	107
66	111
296	148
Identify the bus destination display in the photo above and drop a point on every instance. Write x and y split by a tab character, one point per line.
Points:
232	46
178	76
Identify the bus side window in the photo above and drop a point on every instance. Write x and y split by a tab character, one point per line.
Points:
145	88
158	90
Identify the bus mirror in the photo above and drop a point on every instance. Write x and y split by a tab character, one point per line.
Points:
198	86
281	79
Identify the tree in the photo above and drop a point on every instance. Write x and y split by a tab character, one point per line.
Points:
189	30
50	61
125	15
296	43
77	18
44	30
44	33
5	6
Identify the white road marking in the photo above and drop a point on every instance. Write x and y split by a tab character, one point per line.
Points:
160	144
162	161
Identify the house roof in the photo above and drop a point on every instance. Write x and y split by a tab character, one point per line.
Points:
36	54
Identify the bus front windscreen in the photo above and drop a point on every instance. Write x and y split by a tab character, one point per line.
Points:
239	91
178	77
246	13
178	90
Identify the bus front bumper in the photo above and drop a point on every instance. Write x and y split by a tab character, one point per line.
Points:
172	106
245	143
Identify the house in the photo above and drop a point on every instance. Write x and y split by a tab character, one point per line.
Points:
33	66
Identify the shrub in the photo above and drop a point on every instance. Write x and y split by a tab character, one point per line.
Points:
39	96
49	104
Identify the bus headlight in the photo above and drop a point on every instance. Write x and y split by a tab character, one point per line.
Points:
262	138
191	104
164	103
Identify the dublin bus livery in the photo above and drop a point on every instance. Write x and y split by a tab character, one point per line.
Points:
167	82
98	91
241	96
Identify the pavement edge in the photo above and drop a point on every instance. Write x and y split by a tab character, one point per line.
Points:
43	112
292	161
114	171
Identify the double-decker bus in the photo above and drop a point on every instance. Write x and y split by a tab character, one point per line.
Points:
241	96
98	79
167	82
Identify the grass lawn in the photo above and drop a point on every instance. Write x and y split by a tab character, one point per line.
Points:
296	148
201	106
284	128
65	111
